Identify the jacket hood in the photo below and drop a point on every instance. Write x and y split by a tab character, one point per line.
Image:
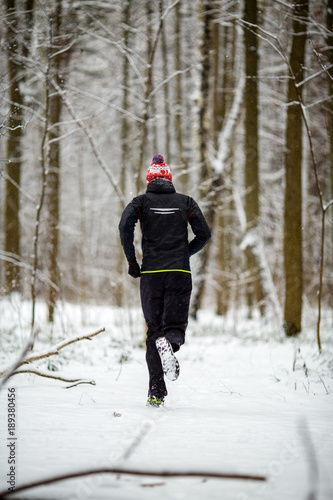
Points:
160	185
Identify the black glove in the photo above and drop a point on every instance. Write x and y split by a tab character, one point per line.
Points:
134	269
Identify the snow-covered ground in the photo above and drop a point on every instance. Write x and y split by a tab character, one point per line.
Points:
238	407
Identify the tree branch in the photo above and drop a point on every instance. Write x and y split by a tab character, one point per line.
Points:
132	472
328	205
46	354
75	381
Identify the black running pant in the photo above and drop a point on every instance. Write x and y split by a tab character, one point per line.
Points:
165	299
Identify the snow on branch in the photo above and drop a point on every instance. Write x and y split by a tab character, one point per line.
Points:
53	351
168	80
328	205
324	69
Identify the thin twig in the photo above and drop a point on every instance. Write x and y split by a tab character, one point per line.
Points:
92	382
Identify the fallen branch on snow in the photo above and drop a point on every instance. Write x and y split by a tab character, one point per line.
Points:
132	472
75	381
53	351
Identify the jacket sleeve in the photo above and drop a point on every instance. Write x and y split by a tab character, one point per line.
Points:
199	227
129	218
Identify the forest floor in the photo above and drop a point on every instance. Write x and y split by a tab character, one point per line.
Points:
247	402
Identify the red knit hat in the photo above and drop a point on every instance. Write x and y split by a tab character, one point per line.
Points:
158	168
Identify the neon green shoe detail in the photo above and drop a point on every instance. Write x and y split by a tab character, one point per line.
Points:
152	401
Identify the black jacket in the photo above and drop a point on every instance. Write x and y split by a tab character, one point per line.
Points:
164	215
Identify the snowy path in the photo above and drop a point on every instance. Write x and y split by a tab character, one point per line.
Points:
234	410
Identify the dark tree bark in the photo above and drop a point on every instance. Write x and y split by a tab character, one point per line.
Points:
330	86
179	100
59	60
14	150
166	90
151	49
152	138
224	85
293	268
207	194
255	292
206	47
125	144
329	24
217	87
17	45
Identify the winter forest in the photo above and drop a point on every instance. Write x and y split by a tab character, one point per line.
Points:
238	98
237	95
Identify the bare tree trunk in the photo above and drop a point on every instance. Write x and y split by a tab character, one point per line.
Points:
15	132
152	44
255	292
207	194
227	76
217	87
29	21
125	126
225	253
206	47
166	90
222	103
330	104
330	85
59	61
83	235
293	267
223	259
182	165
125	146
14	151
189	152
151	118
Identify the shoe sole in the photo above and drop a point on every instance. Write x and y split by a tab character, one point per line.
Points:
170	363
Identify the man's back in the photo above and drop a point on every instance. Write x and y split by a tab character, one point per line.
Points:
164	215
